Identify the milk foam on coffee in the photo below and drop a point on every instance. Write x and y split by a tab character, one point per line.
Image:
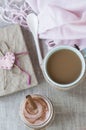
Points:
38	116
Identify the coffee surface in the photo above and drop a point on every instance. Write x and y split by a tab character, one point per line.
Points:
64	66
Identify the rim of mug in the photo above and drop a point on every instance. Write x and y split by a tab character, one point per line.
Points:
44	124
58	48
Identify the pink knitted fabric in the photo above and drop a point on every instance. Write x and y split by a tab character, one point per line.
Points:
61	22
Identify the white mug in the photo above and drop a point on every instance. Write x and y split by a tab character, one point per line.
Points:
58	85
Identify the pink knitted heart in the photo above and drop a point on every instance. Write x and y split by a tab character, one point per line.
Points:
7	61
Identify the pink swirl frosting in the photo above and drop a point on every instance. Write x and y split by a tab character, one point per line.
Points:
38	116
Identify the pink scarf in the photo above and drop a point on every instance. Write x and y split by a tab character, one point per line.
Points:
60	21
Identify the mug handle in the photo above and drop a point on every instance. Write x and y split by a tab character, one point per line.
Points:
84	52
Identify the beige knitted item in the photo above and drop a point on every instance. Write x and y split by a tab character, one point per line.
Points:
11	39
